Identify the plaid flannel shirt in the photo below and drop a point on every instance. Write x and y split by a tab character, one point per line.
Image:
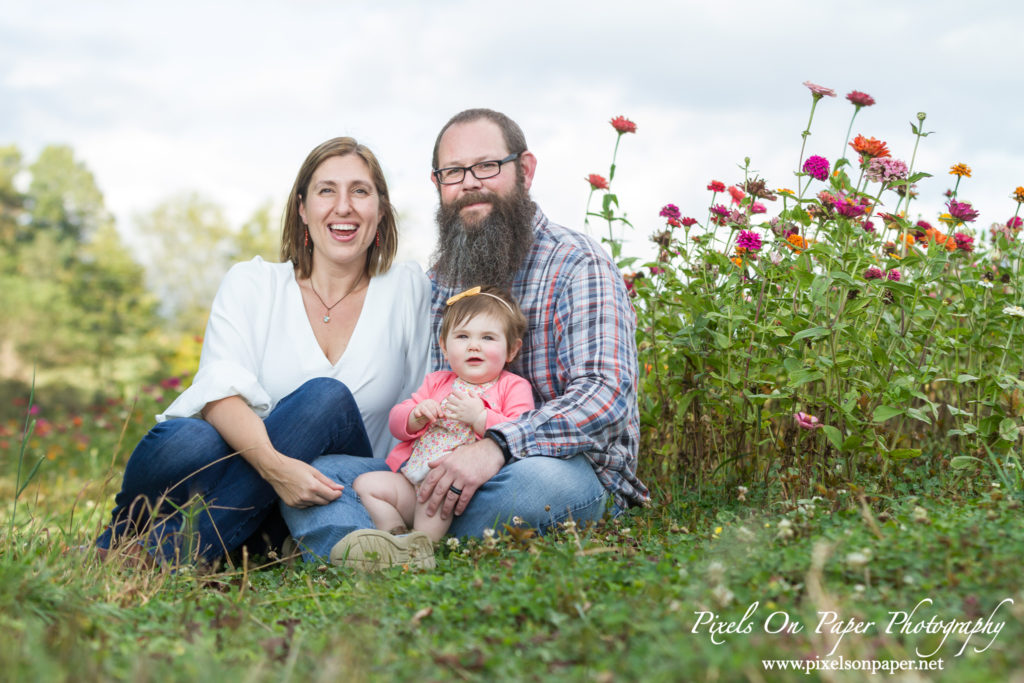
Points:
579	354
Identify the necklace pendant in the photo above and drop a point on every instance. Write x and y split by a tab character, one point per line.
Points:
327	318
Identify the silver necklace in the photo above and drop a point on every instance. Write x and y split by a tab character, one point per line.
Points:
327	315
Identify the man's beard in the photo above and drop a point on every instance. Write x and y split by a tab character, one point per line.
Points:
490	251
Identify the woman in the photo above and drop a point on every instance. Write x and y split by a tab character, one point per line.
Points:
300	359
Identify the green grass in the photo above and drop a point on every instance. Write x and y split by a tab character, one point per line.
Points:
618	602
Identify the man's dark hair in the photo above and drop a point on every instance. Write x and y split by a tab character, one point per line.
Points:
510	130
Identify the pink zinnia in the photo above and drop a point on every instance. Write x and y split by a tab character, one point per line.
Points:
964	242
848	206
671	212
1014	223
886	169
873	273
749	240
868	226
805	421
737	194
816	167
961	211
657	270
893	275
819	91
687	222
758	207
623	125
716	186
597	182
860	99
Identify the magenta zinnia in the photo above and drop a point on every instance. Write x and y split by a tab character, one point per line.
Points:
716	186
816	167
873	273
860	99
962	211
846	205
964	242
670	211
597	182
749	240
893	275
687	222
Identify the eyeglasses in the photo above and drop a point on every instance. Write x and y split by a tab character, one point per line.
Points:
483	170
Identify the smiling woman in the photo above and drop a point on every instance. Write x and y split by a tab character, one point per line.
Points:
300	359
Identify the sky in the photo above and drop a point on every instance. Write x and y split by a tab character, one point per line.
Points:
227	98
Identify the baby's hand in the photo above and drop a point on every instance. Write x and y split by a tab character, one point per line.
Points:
465	408
425	412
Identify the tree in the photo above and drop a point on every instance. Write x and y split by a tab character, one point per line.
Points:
63	196
189	248
259	236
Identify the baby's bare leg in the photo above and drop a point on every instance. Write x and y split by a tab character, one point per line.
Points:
435	527
389	498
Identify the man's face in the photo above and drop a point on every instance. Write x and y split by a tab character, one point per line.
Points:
465	144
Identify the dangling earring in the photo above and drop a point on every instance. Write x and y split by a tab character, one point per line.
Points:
306	242
378	239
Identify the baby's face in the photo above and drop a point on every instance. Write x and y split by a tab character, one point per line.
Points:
477	348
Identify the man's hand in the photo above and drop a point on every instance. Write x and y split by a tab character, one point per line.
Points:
300	485
468	409
425	412
467	468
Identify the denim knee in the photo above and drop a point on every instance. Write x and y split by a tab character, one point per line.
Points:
322	397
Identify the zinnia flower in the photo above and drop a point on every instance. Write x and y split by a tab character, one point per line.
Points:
597	182
964	242
886	169
1015	311
657	270
868	226
798	242
758	207
716	186
860	99
687	222
870	148
737	194
623	125
961	170
819	91
893	275
961	211
1018	194
816	167
749	240
805	421
670	211
1014	223
721	213
846	205
873	273
756	187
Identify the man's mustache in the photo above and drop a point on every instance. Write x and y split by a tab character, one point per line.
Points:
472	198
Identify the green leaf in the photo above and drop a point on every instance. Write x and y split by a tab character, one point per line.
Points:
963	379
918	414
904	453
835	437
883	413
804	376
1009	430
962	462
814	332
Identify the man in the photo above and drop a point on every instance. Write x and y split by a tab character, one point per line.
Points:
578	450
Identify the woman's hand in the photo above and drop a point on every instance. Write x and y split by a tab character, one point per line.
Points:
297	484
425	412
465	408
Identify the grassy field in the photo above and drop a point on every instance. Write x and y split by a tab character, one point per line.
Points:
632	599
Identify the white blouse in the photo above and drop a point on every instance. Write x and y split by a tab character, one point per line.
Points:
259	345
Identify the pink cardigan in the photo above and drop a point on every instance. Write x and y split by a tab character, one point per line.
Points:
510	397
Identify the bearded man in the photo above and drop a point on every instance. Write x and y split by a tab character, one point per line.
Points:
578	450
575	456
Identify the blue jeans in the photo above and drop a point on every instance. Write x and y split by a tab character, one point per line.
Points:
541	491
208	499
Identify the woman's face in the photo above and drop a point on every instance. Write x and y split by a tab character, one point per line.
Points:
342	211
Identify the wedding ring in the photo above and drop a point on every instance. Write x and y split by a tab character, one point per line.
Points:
454	489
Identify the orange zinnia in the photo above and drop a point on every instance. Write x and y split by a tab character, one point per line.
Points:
797	241
738	261
869	147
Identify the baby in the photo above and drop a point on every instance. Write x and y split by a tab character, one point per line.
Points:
481	332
